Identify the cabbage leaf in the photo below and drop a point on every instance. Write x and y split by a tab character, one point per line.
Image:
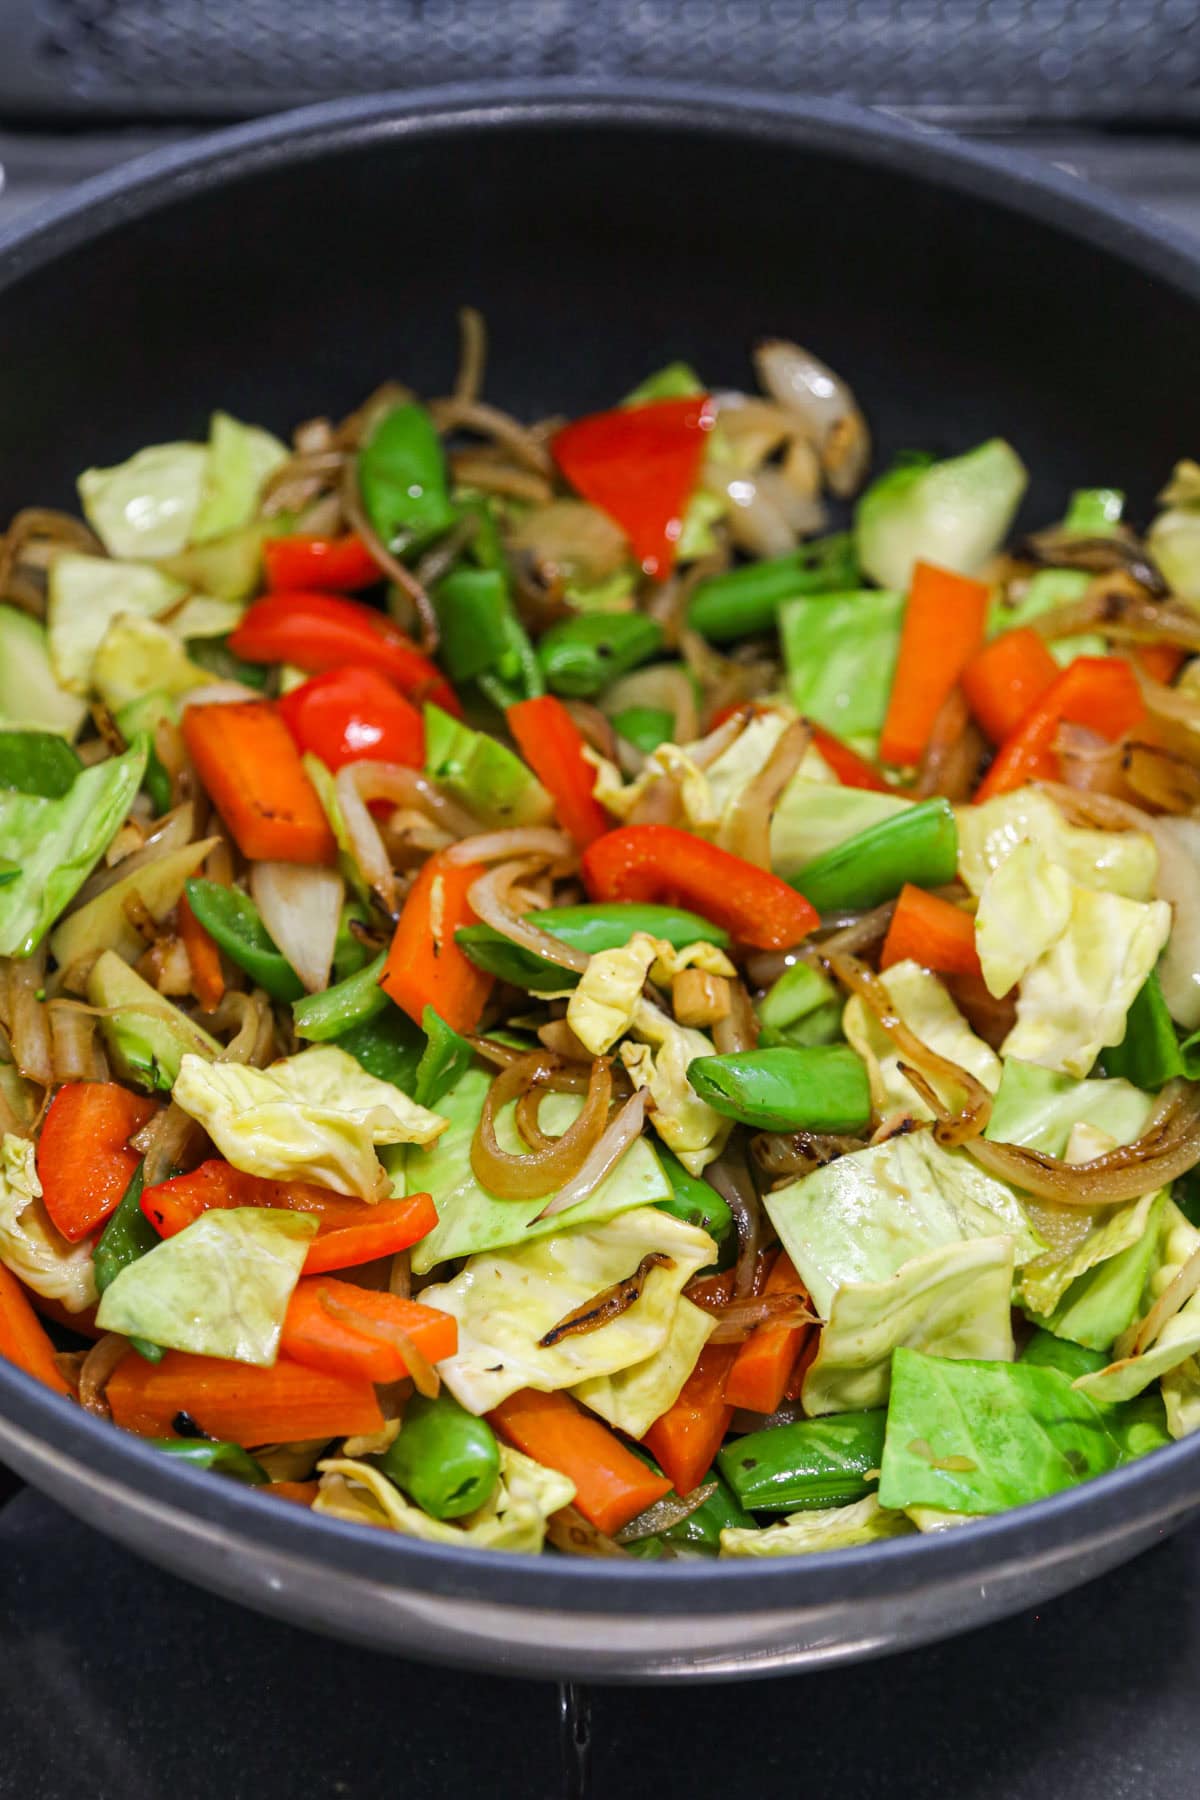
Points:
512	1518
316	1116
86	595
660	1062
29	1244
831	1528
506	1300
924	1005
1178	1339
632	1398
56	843
605	1003
1116	862
219	1287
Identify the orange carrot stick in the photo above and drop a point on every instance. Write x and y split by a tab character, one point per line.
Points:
235	1402
1004	679
943	627
247	759
688	1435
315	1336
932	932
611	1485
23	1338
763	1364
204	959
424	966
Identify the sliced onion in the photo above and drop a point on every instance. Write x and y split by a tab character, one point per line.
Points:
457	414
522	840
954	754
472	354
73	1041
620	1132
747	829
1089	762
96	1369
792	1153
825	406
1163	778
1169	1146
358	783
757	523
733	1181
670	1510
28	1025
738	1030
571	539
570	1532
489	898
736	1321
921	1065
1116	553
1141	1335
172	832
528	1177
220	693
301	906
1122	609
859	932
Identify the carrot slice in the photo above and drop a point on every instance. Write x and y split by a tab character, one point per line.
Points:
764	1363
424	966
943	627
688	1435
932	932
23	1338
235	1402
248	761
204	959
611	1485
1004	679
313	1335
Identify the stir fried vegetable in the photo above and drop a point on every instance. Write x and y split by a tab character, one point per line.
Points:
555	1001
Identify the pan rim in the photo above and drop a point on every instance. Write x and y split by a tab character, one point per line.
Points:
1161	1486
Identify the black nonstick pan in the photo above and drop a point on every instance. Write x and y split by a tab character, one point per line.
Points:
283	269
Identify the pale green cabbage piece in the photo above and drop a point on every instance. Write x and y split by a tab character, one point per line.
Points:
1038	1108
1174	537
144	507
1024	909
660	1062
85	594
1179	1338
631	1399
955	512
605	1003
1074	998
1181	1397
470	1219
1048	589
815	816
238	461
1100	1282
1119	862
861	1217
830	1528
953	1301
505	1301
29	1244
219	1287
313	1117
56	844
924	1005
512	1518
139	656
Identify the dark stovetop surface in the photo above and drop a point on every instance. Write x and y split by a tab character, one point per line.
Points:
121	1683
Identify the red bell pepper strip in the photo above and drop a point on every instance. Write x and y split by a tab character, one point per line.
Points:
611	1485
204	959
354	715
239	1403
553	745
660	862
23	1338
314	631
688	1435
851	769
932	932
245	756
424	966
1100	692
84	1160
340	565
639	464
943	627
1004	679
763	1365
349	1231
337	1345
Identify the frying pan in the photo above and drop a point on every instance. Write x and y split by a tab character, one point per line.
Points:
283	269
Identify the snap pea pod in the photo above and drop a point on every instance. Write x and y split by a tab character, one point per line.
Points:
444	1459
702	1529
520	676
588	928
402	480
157	782
814	1463
799	1009
232	920
697	1203
388	1046
219	1459
445	1057
481	636
350	954
785	1089
745	601
645	727
485	548
919	846
37	762
581	656
320	1017
127	1236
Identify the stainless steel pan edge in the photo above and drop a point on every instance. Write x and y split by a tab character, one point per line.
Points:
520	1615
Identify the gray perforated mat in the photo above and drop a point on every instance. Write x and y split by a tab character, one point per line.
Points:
965	60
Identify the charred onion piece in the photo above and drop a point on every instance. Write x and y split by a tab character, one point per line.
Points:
607	1305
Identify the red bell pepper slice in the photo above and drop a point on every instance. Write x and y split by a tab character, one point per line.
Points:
639	464
662	863
553	745
84	1161
354	715
316	631
851	769
339	565
1100	692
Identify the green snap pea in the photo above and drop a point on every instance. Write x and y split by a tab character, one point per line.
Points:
444	1459
485	548
1094	512
37	762
645	727
402	480
388	1046
801	1008
581	656
822	1088
745	601
232	920
350	954
588	928
445	1057
219	1459
127	1236
695	1202
473	609
702	1529
919	845
157	782
519	673
811	1464
320	1017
